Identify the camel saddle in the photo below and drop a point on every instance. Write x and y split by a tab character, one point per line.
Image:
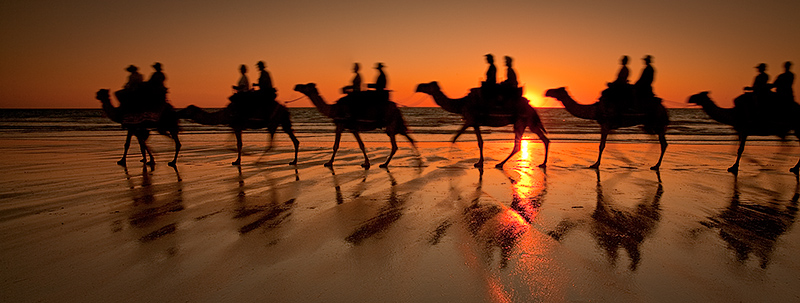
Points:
252	106
366	106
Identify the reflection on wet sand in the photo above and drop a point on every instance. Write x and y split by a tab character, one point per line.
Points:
493	226
752	226
528	192
614	228
360	188
387	215
271	211
152	208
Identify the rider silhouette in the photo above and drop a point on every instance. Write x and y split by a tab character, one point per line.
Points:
356	86
783	83
489	87
622	76
619	96
157	91
644	86
380	83
265	82
511	75
134	79
244	84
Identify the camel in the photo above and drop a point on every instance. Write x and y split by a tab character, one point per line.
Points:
392	120
745	125
474	116
272	115
139	125
654	121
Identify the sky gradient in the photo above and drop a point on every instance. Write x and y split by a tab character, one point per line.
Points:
57	54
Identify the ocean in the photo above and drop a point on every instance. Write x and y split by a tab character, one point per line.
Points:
688	125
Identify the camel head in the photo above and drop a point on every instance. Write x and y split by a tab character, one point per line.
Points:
428	88
309	89
699	98
557	93
103	96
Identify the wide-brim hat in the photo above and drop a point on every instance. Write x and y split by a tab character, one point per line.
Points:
131	68
760	66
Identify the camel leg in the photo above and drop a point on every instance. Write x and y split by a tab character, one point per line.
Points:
517	140
287	128
149	153
603	137
338	138
662	138
735	168
125	150
363	150
238	134
174	135
540	132
480	146
271	139
459	132
144	149
391	154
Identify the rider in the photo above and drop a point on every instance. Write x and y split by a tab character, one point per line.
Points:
356	86
617	97
380	83
244	84
134	79
265	81
510	84
783	84
157	87
489	87
644	86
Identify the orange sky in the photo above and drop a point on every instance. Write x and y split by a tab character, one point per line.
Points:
57	54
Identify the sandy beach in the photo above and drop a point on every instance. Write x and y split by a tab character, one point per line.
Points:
76	227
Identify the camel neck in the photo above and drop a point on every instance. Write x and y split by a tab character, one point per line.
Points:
455	106
721	115
578	110
323	107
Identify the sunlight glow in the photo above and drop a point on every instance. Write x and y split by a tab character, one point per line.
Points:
523	153
535	100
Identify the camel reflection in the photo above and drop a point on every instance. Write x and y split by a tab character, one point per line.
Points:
386	217
357	191
270	209
493	227
527	193
614	228
153	205
753	227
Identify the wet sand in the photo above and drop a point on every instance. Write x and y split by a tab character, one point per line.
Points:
76	227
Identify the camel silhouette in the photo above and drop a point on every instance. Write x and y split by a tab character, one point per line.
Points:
476	116
269	115
748	121
655	120
139	125
379	113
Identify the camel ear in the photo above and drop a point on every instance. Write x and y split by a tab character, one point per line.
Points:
705	93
